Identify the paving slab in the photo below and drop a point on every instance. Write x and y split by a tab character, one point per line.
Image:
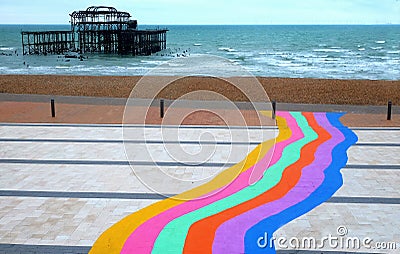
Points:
63	221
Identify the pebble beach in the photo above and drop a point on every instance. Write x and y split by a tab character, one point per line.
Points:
286	90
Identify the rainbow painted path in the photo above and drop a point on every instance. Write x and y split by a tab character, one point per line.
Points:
279	181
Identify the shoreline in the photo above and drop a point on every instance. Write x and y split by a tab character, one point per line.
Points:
285	90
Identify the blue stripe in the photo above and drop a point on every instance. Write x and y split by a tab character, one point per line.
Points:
333	181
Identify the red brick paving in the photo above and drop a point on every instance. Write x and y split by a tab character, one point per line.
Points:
38	112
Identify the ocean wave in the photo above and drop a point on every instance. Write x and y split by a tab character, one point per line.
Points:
137	68
253	69
234	61
233	53
197	44
152	62
175	65
394	62
380	42
6	49
290	65
394	52
376	48
331	50
280	63
278	53
308	56
378	57
329	57
227	49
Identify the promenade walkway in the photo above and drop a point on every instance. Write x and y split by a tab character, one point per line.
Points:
61	186
65	181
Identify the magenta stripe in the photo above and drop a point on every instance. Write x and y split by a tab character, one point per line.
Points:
311	178
143	238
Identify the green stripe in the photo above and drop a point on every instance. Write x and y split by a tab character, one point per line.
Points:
176	231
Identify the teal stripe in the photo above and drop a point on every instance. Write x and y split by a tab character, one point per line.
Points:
175	232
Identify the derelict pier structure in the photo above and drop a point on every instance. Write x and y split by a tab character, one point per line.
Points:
98	29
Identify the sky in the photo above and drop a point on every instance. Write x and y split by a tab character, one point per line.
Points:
203	12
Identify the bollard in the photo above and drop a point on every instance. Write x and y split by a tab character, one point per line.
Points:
389	111
273	110
162	108
53	108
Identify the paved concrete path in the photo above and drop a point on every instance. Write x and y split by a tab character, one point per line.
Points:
61	186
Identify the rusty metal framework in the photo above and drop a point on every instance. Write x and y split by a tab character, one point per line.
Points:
98	29
50	42
101	18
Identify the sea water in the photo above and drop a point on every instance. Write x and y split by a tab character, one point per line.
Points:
339	52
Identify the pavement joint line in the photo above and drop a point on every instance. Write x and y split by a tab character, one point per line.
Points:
185	142
116	163
149	126
56	249
161	196
43	249
164	163
364	200
361	166
83	195
59	249
378	144
374	128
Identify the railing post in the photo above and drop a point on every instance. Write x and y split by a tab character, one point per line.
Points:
273	110
389	111
162	108
53	108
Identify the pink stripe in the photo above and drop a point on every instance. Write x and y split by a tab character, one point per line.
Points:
144	237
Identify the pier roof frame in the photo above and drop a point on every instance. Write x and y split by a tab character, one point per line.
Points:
100	15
